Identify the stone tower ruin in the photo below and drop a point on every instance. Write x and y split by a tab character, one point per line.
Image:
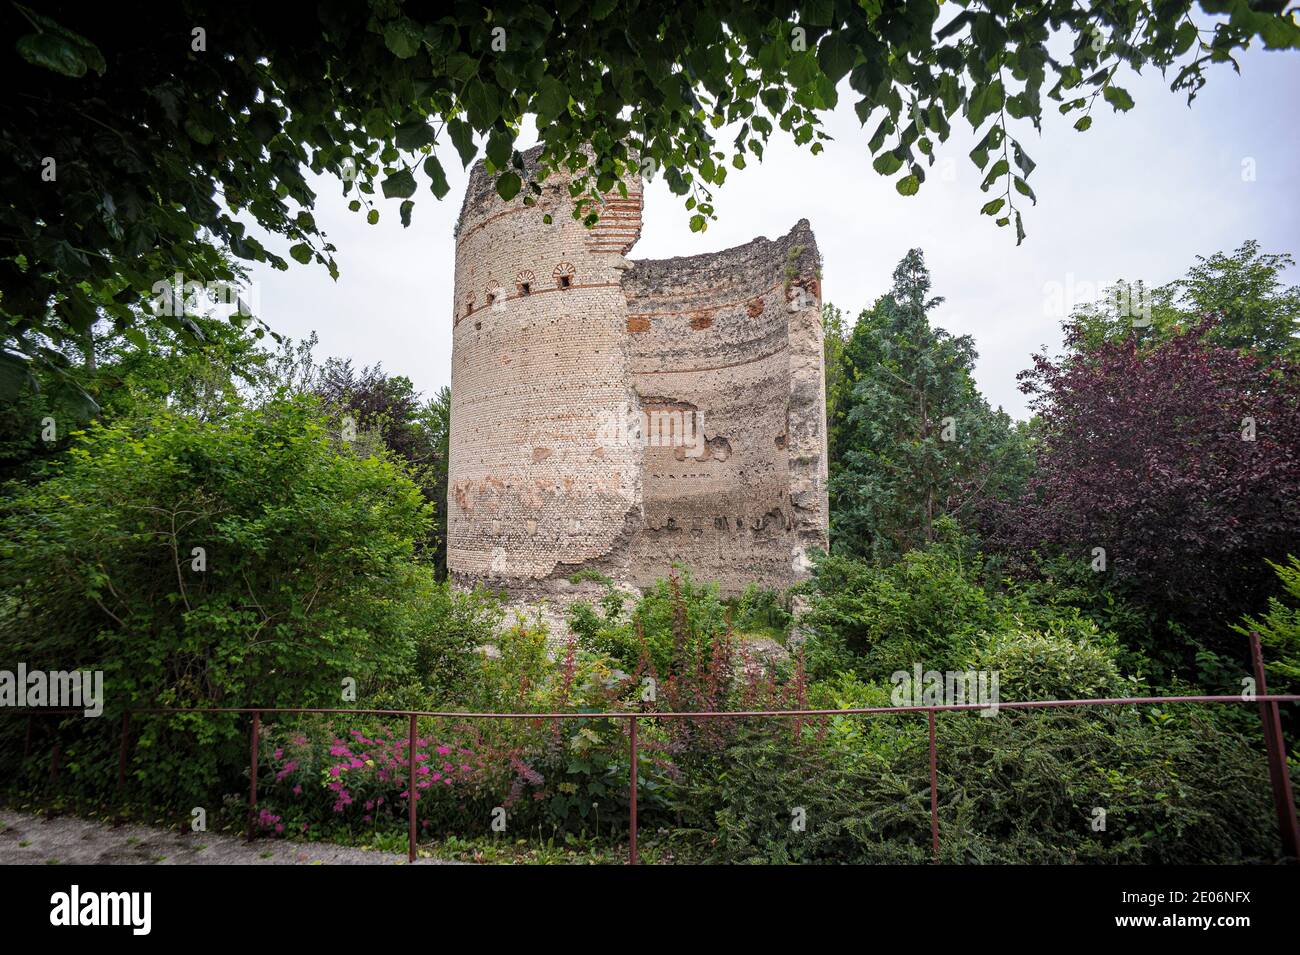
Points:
624	416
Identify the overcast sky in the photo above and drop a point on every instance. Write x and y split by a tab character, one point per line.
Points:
1137	197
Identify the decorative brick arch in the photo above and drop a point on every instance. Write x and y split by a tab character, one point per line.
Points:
563	274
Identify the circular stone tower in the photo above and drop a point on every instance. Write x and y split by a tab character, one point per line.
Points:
539	373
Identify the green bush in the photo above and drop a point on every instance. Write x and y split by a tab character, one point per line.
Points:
762	611
1176	786
243	561
1279	630
1065	662
926	608
672	628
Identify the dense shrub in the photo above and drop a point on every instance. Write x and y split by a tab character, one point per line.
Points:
876	619
242	561
1063	663
1021	787
1279	630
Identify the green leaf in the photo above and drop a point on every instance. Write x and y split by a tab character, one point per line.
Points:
998	169
908	185
836	55
698	223
551	100
462	137
402	36
405	212
437	177
985	101
301	252
1022	187
991	207
400	185
887	164
508	185
136	338
1082	123
498	148
413	135
53	53
372	216
1118	98
198	132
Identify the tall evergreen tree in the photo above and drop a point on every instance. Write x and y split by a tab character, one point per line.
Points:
913	439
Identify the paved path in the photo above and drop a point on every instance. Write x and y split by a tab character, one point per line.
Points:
37	840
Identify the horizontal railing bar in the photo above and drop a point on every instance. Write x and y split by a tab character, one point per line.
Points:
701	714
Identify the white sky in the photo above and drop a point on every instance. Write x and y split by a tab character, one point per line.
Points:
1137	197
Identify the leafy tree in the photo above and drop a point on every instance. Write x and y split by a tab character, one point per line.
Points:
437	419
1243	294
835	336
389	408
125	379
914	438
247	560
1179	461
137	152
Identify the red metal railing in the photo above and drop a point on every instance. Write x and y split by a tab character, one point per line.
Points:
1270	719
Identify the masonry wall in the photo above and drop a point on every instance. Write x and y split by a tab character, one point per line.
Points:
538	365
557	336
711	334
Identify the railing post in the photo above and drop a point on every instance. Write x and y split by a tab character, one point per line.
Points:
410	828
1278	774
252	774
934	790
121	752
631	828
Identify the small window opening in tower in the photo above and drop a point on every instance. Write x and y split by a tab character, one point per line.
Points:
565	280
525	288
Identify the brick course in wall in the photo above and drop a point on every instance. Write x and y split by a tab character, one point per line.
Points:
557	338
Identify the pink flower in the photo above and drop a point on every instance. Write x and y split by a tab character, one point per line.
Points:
297	790
278	754
444	750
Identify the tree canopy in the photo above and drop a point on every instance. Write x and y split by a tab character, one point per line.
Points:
911	437
145	147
